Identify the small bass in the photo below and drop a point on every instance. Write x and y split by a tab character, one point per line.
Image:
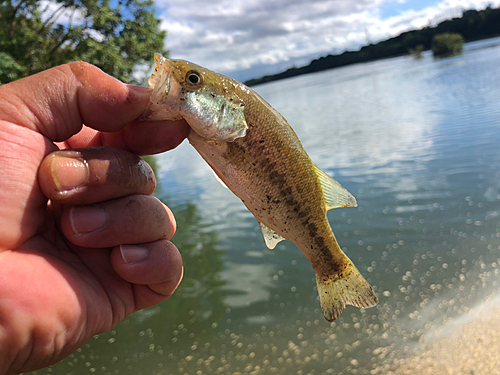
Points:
257	155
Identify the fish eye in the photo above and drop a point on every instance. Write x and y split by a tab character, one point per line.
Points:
193	78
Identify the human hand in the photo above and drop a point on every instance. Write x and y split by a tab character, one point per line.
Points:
63	275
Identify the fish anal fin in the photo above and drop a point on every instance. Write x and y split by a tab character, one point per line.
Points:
270	236
336	292
335	195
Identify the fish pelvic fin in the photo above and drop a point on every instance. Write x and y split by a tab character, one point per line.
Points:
270	236
339	290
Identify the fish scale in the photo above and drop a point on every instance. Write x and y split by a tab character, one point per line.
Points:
257	155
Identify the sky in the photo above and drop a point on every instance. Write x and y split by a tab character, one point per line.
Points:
251	38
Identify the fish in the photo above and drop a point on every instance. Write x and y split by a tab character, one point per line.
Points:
256	154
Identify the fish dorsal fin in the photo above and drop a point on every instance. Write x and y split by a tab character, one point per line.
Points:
335	195
270	236
219	179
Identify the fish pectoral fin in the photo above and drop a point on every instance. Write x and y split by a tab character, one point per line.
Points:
335	195
270	236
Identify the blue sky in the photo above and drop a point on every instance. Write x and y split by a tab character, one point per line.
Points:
251	38
392	9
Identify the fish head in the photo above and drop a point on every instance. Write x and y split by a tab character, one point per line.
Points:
211	103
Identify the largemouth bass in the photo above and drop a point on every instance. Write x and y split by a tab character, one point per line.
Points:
257	155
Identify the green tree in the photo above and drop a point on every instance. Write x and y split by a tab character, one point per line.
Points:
417	51
9	69
447	44
115	35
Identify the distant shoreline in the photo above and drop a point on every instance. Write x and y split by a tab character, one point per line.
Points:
473	25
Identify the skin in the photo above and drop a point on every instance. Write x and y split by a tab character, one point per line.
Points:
64	276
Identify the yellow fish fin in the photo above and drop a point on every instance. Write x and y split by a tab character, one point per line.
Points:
270	236
335	195
337	291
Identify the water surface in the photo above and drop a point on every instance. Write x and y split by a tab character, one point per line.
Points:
417	143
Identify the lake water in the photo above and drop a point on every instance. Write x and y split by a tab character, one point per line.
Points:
417	143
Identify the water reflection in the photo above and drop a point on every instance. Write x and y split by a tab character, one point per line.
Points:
359	139
416	141
161	335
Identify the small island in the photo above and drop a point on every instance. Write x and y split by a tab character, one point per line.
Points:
473	25
447	44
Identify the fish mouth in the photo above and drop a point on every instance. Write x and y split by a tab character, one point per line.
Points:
159	81
164	91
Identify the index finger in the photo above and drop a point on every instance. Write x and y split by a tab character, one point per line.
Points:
57	102
138	137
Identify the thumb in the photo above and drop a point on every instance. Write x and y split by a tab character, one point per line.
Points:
58	101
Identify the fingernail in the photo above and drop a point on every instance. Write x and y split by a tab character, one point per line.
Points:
133	253
87	219
68	173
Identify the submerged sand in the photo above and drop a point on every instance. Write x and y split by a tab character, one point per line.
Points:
471	348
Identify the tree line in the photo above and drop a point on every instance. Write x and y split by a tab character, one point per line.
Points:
473	25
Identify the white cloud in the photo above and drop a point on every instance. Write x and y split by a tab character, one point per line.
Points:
59	14
234	36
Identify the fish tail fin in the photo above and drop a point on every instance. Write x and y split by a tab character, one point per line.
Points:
338	290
